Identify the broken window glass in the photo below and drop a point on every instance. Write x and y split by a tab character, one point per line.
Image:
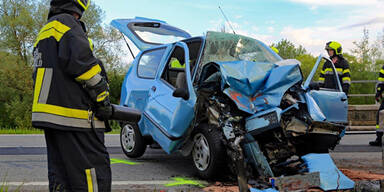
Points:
231	47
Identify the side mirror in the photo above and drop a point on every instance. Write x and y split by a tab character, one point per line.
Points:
181	92
314	86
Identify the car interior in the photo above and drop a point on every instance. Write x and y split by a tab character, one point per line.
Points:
176	77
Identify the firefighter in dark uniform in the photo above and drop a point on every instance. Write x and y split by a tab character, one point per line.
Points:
71	101
326	79
378	97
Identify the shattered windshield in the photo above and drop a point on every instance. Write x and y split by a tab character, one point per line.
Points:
230	47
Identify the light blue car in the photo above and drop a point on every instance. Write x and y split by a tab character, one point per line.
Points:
231	102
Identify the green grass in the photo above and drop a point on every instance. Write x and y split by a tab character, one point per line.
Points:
20	131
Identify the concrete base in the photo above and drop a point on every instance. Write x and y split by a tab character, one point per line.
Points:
363	116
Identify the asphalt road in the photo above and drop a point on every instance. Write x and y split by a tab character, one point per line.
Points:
23	163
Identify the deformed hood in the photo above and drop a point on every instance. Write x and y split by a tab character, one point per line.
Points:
245	76
257	86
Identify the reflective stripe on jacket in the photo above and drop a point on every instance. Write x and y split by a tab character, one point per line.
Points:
63	62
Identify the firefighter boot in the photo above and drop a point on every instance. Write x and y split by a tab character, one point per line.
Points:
377	142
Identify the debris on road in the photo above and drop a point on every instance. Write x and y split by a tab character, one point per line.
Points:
222	187
358	175
298	182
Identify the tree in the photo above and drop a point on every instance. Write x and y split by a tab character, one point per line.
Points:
288	50
107	40
367	53
18	27
307	63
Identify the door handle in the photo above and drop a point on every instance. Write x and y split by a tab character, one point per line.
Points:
343	99
153	88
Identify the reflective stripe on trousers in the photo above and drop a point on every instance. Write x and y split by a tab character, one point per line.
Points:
91	180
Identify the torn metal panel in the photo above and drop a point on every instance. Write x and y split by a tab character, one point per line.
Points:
297	127
257	158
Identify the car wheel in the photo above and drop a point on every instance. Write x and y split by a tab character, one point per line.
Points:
131	141
208	152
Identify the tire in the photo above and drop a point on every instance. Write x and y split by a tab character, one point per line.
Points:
131	141
207	141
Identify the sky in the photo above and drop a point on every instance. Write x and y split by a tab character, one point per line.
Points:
310	23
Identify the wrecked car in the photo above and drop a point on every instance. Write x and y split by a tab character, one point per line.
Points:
234	104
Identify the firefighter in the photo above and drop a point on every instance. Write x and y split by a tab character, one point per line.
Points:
275	49
326	79
175	63
71	101
378	97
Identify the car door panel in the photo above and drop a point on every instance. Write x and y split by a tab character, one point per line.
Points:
170	117
332	103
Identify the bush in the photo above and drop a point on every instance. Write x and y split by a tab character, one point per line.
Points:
15	92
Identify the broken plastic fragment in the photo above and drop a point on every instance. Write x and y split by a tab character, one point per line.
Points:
331	178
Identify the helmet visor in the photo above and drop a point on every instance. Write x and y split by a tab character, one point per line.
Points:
84	3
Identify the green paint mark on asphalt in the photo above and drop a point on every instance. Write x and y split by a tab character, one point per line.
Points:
183	181
115	161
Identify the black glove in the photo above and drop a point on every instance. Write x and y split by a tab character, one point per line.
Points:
104	110
314	86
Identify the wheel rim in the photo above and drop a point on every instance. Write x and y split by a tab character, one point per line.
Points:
201	153
128	138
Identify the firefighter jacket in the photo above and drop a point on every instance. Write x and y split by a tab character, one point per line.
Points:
380	86
327	79
63	65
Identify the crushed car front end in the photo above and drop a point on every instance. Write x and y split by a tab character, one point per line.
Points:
259	104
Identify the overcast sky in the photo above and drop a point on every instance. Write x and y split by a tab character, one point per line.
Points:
310	23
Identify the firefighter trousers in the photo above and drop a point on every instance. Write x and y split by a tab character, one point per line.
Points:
77	161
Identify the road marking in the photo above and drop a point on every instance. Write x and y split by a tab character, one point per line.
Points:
184	181
116	161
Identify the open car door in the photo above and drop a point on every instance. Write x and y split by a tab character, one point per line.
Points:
324	104
146	33
170	109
